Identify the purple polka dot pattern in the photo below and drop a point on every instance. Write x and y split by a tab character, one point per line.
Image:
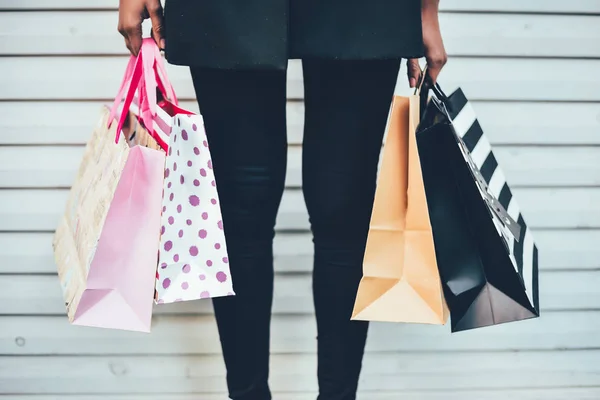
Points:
221	276
193	258
194	200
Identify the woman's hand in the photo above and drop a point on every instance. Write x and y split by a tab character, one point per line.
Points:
435	53
131	15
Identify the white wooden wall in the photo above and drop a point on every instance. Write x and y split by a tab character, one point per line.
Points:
532	68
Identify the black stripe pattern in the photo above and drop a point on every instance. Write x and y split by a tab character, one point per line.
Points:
521	247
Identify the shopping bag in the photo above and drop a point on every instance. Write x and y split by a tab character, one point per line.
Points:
193	260
400	280
486	254
107	241
105	244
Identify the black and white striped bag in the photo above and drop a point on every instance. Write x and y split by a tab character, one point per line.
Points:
460	130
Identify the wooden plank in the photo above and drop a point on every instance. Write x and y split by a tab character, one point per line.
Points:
97	78
465	34
505	123
41	294
529	6
57	5
40	210
560	393
539	123
381	371
27	253
197	335
56	166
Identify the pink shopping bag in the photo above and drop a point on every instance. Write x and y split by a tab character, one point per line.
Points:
107	241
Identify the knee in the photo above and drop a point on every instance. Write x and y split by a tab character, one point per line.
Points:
340	214
250	198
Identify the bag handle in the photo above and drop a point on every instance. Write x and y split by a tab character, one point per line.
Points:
441	101
161	73
143	74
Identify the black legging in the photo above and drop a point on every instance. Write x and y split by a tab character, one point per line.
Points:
346	108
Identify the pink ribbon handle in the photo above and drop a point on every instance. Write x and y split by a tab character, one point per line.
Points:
126	81
162	75
143	74
135	83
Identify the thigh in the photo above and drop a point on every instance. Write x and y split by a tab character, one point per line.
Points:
347	104
244	115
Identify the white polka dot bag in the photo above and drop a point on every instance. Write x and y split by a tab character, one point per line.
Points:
193	262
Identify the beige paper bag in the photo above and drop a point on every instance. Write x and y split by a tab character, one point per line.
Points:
401	281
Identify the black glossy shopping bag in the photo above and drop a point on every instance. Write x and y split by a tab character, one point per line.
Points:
486	255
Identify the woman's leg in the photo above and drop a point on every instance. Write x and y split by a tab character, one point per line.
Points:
244	114
347	104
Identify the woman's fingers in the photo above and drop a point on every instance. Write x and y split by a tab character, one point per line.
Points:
156	17
131	15
414	72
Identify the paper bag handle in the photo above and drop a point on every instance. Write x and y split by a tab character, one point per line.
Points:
144	73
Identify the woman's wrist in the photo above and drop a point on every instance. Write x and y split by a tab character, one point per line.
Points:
429	10
430	5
